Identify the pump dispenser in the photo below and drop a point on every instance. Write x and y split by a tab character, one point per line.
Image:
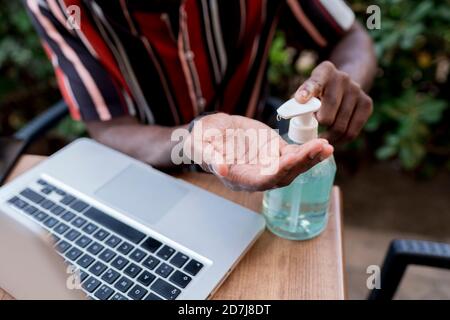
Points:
303	126
299	211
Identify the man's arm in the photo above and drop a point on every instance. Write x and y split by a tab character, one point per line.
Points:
355	55
151	144
341	84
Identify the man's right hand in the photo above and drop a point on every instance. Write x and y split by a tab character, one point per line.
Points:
246	154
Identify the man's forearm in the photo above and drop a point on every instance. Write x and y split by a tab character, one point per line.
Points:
355	55
149	143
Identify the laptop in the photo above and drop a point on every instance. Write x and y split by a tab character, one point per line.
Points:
90	222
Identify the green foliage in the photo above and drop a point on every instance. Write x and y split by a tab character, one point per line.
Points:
411	91
27	83
70	129
21	57
414	115
280	60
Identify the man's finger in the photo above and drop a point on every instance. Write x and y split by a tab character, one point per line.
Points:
331	101
313	87
314	156
341	123
362	112
298	159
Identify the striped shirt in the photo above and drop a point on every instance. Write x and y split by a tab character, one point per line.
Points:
166	61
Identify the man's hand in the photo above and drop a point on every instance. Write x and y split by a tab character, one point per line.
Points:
345	106
240	151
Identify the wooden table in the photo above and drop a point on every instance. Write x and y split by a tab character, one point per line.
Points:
274	268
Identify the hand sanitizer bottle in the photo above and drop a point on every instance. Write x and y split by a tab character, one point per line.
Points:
299	211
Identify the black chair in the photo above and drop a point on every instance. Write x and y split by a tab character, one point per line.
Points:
12	147
400	255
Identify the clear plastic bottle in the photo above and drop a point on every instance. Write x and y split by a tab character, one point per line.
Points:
299	211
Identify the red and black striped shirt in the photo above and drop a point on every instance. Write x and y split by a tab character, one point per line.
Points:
166	61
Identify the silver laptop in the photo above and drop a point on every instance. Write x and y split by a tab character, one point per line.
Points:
92	222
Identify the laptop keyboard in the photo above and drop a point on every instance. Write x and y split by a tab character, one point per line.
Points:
115	261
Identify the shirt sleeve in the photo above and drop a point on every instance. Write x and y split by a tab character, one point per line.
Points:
316	24
90	91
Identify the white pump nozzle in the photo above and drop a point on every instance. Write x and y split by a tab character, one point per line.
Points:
303	125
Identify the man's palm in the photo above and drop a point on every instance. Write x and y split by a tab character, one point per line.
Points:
248	155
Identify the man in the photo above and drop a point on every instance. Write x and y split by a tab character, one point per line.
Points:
135	70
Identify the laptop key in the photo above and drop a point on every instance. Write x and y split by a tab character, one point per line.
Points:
119	262
90	284
30	210
67	200
85	260
79	222
118	296
180	279
47	190
165	289
61	228
107	255
42	182
73	254
83	276
32	195
63	246
179	260
72	235
137	255
60	192
50	222
40	216
132	270
151	244
19	203
13	200
165	252
47	204
113	241
146	278
95	248
79	205
193	267
151	262
104	292
164	270
97	268
137	292
152	296
123	284
57	210
125	248
83	241
68	216
110	276
90	228
101	234
115	225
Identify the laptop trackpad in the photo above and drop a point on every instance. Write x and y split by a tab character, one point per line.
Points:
141	194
